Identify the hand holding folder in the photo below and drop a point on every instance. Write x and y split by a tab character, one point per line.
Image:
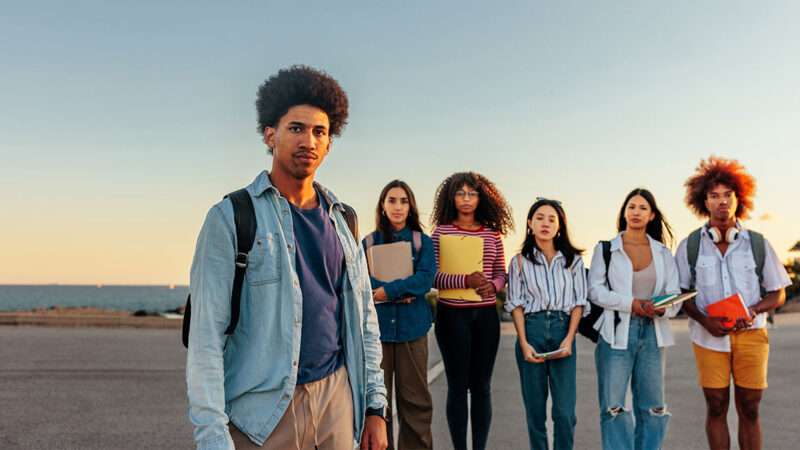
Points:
459	254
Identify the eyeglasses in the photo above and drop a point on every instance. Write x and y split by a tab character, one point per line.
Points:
539	199
467	194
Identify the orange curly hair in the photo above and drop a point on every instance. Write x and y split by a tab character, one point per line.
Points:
714	171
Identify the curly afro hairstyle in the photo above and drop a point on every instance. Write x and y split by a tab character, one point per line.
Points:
301	85
714	171
492	212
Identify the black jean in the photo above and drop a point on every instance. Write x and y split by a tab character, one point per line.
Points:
468	339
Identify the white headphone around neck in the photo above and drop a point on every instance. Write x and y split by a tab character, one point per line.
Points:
716	236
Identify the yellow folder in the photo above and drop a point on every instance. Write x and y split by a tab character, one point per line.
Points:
459	254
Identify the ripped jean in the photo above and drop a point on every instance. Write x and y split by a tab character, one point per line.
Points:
642	364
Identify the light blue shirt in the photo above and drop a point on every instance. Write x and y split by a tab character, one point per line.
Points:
249	377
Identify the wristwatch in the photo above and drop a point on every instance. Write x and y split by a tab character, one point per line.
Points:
380	412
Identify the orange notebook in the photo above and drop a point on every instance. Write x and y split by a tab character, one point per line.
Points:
732	308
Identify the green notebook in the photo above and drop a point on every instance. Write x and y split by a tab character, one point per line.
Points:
663	301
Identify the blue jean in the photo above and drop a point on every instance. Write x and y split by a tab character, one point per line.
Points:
545	331
641	365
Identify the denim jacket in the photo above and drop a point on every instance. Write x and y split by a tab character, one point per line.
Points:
407	322
249	378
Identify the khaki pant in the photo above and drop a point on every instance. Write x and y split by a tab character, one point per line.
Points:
406	364
320	416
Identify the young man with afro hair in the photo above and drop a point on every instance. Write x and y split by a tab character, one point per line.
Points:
720	259
301	369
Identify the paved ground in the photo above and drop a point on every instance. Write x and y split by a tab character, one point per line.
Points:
684	398
124	389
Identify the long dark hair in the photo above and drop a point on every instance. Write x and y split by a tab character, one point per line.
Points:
561	242
382	223
658	228
493	211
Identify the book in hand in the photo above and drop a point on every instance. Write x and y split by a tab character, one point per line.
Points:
390	262
665	301
731	308
549	355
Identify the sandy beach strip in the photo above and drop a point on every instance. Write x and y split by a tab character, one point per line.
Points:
88	317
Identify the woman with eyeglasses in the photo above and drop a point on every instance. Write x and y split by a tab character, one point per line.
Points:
404	316
633	334
468	331
546	298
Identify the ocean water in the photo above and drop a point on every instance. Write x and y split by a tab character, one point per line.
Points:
125	298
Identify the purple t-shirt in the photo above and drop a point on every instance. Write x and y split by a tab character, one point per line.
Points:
319	261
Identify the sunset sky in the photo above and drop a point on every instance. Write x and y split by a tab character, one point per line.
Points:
120	125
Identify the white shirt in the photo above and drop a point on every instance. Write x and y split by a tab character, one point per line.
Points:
620	297
546	286
718	277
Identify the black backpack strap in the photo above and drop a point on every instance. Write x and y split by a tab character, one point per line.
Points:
187	320
244	216
351	218
607	259
348	212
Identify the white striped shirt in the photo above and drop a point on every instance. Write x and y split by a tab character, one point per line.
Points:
546	287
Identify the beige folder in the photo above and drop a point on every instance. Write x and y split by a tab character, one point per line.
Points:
459	254
389	262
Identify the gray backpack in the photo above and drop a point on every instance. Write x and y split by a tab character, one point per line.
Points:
757	245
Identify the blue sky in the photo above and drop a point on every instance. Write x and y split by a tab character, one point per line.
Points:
121	124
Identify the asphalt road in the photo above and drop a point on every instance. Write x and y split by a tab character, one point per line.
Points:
124	389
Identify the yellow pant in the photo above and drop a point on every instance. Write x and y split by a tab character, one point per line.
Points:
747	362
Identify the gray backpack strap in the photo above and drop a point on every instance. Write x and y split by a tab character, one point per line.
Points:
758	246
692	250
416	239
369	240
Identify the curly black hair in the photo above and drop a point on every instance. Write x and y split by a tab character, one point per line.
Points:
493	210
301	85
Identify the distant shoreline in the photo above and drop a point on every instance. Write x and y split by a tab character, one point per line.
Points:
108	318
90	317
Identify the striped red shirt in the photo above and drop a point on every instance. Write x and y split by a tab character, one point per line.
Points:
494	266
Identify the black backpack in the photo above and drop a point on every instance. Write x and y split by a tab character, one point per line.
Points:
244	217
586	324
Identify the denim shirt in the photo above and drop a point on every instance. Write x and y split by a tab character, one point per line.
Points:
249	378
407	322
